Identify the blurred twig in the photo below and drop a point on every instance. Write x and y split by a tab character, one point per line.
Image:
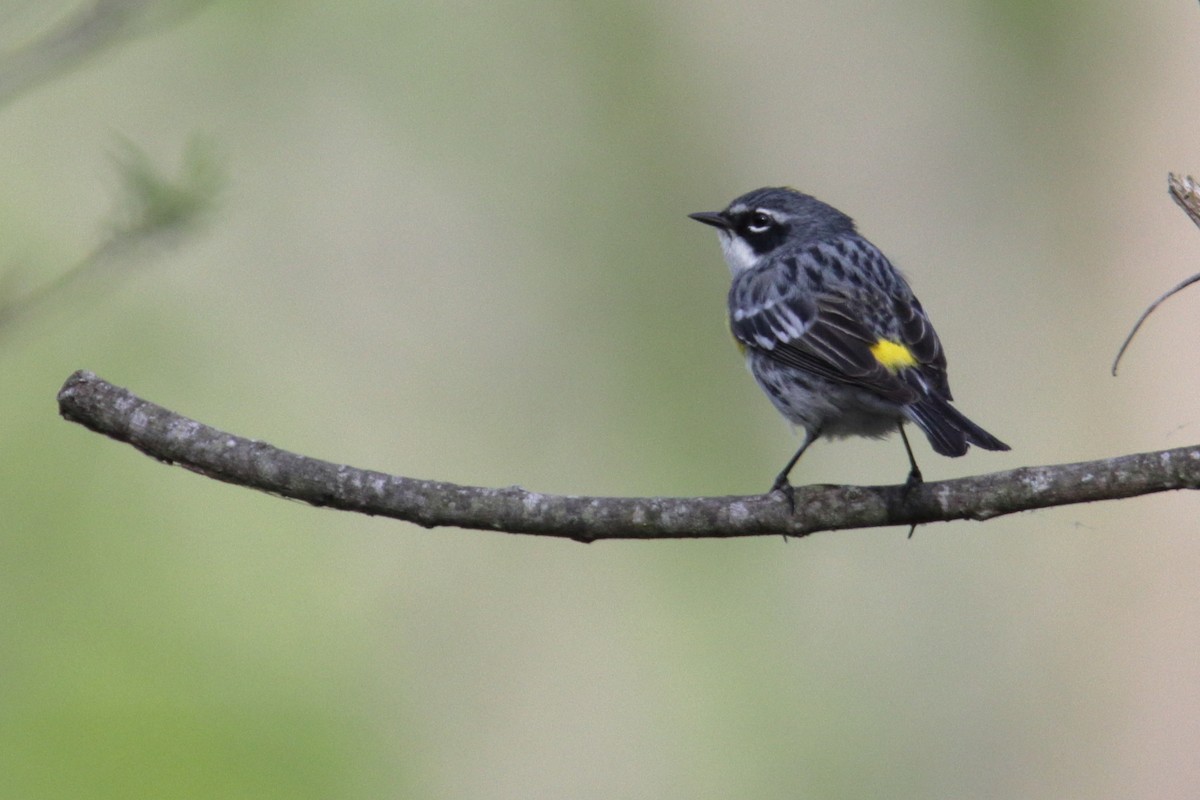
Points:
87	32
151	209
174	439
1186	194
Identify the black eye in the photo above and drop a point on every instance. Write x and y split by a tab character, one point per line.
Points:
759	222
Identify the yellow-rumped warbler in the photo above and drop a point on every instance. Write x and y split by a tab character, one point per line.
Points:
830	329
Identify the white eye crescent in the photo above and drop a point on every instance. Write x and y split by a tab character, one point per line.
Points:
760	222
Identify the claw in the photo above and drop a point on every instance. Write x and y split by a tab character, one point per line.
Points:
787	490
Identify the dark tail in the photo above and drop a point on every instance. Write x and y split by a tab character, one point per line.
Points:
948	431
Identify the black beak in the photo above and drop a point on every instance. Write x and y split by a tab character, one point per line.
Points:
714	218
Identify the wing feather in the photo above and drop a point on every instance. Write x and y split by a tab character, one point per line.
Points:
776	315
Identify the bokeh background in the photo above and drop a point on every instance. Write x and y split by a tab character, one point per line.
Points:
452	244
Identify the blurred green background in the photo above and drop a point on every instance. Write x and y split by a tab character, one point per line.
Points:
452	244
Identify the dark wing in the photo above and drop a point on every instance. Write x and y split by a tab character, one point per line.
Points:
821	330
917	333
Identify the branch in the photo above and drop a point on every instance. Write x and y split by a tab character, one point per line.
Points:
174	439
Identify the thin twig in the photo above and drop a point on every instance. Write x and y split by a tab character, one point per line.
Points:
174	439
1186	195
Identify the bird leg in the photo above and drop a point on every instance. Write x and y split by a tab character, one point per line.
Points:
782	485
914	474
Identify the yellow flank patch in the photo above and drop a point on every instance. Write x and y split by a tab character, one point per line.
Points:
893	355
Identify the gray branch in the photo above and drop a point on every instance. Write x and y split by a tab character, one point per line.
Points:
175	439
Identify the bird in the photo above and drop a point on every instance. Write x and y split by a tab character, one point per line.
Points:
831	330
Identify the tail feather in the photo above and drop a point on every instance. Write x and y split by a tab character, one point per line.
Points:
948	431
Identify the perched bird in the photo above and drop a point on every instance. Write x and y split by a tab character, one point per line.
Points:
830	329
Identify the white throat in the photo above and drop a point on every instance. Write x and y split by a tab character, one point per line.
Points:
739	255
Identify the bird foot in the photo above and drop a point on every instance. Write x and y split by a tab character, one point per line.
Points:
914	480
786	489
